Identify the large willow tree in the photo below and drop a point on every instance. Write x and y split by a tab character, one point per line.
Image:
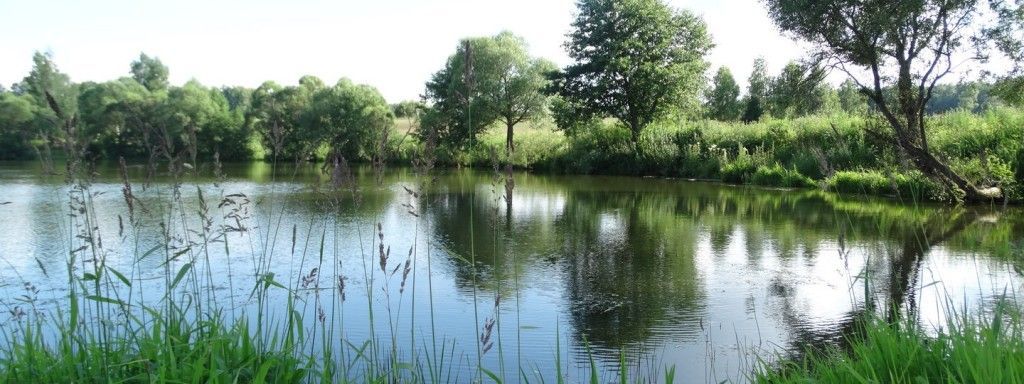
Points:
905	46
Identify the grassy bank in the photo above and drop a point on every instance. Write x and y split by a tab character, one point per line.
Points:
967	349
831	152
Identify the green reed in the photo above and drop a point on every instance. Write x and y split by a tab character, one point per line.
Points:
980	348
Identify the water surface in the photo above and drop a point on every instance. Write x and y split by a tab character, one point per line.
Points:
698	275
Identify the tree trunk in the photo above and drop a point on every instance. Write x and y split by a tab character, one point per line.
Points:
939	171
912	139
634	137
510	146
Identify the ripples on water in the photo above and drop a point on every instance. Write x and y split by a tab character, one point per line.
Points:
697	275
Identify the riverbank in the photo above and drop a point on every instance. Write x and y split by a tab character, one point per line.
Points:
967	348
829	152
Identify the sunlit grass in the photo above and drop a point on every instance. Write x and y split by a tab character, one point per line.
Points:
967	349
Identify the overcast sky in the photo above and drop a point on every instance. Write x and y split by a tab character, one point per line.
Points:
393	45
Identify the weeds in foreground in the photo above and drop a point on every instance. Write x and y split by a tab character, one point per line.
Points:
982	348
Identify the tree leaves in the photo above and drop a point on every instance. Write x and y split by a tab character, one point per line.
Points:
636	60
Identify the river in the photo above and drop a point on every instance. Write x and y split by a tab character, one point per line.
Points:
703	276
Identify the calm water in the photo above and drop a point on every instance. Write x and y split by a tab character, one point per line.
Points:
699	275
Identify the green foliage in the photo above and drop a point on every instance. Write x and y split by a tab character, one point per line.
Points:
1010	90
753	110
911	186
350	119
174	348
813	146
759	168
45	77
277	114
982	349
408	108
851	100
990	170
777	176
16	118
899	46
601	148
703	162
795	92
570	118
202	115
1019	167
124	118
759	81
144	116
965	96
723	101
150	72
302	122
239	98
741	169
488	79
635	60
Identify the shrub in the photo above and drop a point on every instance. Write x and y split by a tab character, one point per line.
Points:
777	176
741	169
915	186
859	182
738	172
912	185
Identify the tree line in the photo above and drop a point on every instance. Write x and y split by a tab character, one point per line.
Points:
633	62
142	116
800	89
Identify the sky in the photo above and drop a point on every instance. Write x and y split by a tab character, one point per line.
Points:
394	45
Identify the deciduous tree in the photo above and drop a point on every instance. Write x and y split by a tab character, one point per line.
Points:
634	60
150	72
488	79
908	46
757	91
723	100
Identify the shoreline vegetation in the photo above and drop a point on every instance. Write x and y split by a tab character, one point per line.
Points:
966	349
828	152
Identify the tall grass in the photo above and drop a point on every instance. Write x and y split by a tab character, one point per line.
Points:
973	345
987	148
978	348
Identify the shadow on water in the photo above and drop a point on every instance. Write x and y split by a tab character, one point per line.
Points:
634	255
891	284
642	266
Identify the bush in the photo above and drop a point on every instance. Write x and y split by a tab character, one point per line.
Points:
738	172
859	182
911	185
777	176
916	186
742	168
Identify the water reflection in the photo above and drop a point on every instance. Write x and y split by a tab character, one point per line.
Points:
693	273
